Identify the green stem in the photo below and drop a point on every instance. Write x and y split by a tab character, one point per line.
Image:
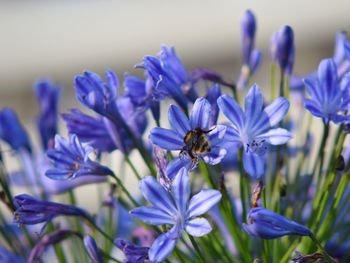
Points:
242	185
273	81
194	244
282	83
92	223
318	244
119	183
58	249
132	167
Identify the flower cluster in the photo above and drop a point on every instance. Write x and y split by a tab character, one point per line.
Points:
196	205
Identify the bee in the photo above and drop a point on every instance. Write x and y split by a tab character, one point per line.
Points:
196	143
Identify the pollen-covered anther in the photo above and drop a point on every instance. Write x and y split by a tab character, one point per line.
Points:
258	147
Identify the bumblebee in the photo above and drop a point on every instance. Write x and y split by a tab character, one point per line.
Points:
196	143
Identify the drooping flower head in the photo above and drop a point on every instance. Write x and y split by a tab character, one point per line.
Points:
49	239
329	98
251	57
71	159
142	93
266	224
12	132
133	253
175	209
31	211
122	115
253	128
192	137
92	130
96	94
47	95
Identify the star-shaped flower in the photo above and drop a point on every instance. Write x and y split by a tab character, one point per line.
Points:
192	137
252	128
175	209
328	97
71	159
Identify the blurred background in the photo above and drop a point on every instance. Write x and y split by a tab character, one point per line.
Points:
60	39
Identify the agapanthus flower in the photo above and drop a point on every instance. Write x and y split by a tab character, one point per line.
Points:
31	211
251	57
192	137
71	159
142	93
92	249
102	97
253	128
266	224
98	95
174	209
90	129
212	96
282	48
47	95
169	76
12	132
329	98
49	239
133	253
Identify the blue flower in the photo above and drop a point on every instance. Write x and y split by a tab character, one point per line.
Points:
251	56
133	253
141	93
102	97
49	239
47	95
98	95
71	160
282	48
7	256
186	134
175	209
12	132
90	129
169	77
30	211
328	97
92	249
266	224
252	128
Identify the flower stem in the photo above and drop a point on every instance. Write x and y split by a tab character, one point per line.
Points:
318	244
119	182
92	223
132	167
194	244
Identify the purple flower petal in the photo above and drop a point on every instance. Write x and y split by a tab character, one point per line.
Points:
152	215
155	193
231	110
198	227
202	202
276	136
200	114
166	139
253	105
253	164
178	121
164	244
181	190
215	155
175	165
216	136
